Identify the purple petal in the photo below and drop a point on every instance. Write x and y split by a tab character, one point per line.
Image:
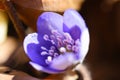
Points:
72	18
45	69
43	26
33	50
48	21
65	28
75	32
34	53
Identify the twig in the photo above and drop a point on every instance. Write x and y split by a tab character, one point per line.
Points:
14	18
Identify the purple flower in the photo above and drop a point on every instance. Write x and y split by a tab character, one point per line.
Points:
60	42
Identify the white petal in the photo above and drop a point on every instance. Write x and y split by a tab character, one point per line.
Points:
30	38
84	44
63	61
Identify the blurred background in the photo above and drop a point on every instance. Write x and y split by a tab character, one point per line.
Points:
103	20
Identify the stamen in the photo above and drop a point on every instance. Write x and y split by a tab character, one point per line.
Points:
72	42
43	53
68	39
56	54
43	48
63	43
46	37
69	47
60	42
52	41
52	37
52	48
49	58
51	52
77	42
67	36
55	32
75	48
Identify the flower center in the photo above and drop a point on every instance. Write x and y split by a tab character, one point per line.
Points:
61	44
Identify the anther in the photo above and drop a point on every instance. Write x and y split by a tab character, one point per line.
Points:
52	41
62	50
56	54
43	48
52	37
68	37
77	42
75	48
52	48
44	53
69	47
51	52
46	37
54	31
49	59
